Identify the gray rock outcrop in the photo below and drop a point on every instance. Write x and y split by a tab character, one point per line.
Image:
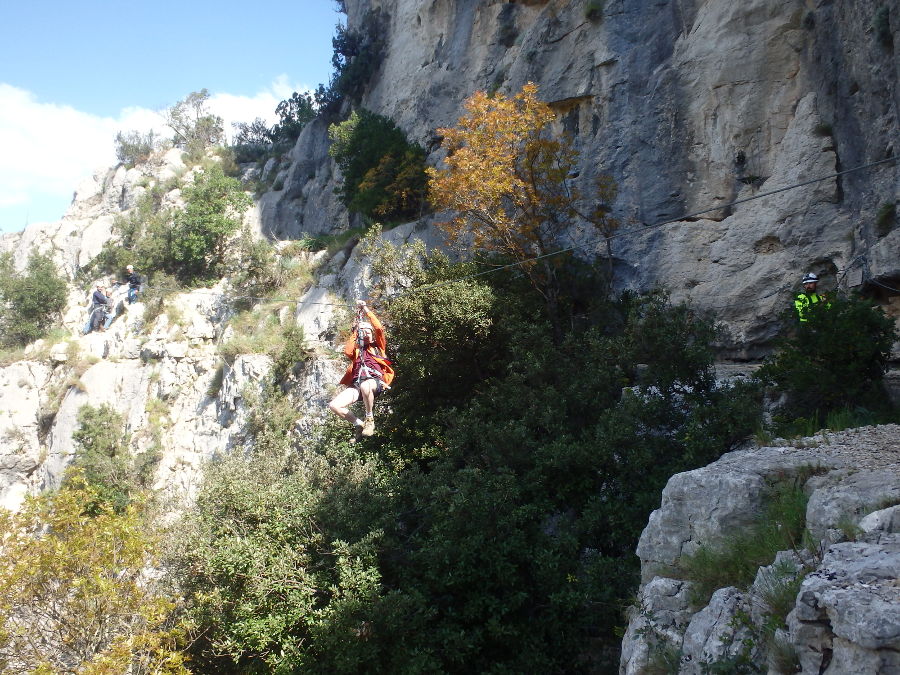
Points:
846	616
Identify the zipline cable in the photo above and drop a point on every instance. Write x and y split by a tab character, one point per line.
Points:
654	225
622	233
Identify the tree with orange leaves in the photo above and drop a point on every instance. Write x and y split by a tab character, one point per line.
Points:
507	180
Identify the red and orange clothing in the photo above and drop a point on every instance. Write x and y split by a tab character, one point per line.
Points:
375	354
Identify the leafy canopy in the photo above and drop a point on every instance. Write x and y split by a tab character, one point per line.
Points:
74	595
491	522
836	359
194	126
506	179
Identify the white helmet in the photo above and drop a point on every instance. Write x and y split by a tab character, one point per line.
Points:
810	278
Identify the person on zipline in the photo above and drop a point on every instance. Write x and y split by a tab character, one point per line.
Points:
369	372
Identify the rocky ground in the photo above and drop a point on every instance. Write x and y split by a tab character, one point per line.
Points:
846	616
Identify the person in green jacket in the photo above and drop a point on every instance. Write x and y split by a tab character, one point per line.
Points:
808	296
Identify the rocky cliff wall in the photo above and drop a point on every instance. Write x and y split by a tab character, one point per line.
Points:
689	104
845	615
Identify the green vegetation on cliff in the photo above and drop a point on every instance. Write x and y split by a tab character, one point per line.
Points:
31	300
491	522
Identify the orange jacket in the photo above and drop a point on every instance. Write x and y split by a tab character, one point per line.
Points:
378	350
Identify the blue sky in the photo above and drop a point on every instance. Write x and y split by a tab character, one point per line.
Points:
72	74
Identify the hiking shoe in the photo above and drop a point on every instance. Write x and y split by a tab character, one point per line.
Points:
357	433
369	427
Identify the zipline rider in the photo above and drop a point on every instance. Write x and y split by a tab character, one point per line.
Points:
808	296
369	372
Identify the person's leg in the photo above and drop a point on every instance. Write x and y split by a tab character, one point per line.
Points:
340	405
368	390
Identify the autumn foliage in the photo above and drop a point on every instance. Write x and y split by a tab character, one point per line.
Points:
75	595
507	180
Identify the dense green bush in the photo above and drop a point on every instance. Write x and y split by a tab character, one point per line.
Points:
293	113
31	301
191	245
279	557
383	173
834	360
214	207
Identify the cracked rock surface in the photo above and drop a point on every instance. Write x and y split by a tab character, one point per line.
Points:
846	616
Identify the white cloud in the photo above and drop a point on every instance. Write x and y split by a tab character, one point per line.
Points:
48	149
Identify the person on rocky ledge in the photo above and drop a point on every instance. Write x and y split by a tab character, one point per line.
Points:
808	296
369	372
97	313
134	284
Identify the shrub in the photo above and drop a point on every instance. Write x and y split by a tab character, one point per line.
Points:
134	148
279	563
30	302
195	127
383	173
357	57
593	10
252	141
103	458
834	360
214	207
294	113
160	287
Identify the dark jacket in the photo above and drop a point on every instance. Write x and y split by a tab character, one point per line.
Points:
133	280
98	298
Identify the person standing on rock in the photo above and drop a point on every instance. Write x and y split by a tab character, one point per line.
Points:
369	372
134	284
808	296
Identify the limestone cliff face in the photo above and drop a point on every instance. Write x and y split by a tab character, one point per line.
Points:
845	616
689	104
165	375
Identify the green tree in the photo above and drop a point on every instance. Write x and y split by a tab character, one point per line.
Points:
214	207
383	173
103	459
194	126
357	57
133	147
74	593
252	141
278	559
834	360
31	301
294	113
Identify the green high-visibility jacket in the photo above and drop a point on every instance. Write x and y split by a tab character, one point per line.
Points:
803	301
